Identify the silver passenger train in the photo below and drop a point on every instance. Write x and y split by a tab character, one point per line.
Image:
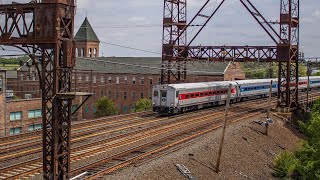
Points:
177	98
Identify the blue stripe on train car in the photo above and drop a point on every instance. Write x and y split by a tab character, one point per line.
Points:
254	88
314	82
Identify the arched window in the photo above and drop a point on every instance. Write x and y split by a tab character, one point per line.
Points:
77	52
82	52
90	52
95	52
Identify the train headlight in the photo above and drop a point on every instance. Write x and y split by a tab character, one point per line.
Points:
172	104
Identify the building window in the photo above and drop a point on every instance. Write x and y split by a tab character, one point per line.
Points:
102	79
142	96
117	95
142	81
133	80
149	95
124	95
125	109
150	81
14	131
94	109
79	78
86	109
95	52
133	95
82	52
94	94
34	113
90	52
74	108
125	79
15	116
87	78
109	80
101	94
117	80
34	127
110	94
94	79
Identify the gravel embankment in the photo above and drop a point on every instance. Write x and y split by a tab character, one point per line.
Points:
247	154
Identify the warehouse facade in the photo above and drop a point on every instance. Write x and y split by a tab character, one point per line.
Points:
124	80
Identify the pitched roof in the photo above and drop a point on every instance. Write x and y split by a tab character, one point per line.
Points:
86	33
142	65
145	65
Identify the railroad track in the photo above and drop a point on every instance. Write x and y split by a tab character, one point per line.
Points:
33	167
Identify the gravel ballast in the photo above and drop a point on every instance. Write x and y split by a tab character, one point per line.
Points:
247	154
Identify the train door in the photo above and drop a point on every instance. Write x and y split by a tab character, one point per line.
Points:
163	97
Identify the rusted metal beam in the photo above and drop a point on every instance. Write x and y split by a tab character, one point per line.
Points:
45	31
233	53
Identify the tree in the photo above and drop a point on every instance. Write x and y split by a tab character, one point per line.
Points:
302	70
105	107
305	162
143	105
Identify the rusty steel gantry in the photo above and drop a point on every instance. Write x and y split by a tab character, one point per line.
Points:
176	50
44	29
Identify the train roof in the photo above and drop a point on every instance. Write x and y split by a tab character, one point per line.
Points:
250	81
199	85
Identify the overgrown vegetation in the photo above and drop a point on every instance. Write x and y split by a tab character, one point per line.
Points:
17	60
305	162
266	70
143	105
105	107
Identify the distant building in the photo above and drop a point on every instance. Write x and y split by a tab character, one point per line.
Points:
87	41
124	80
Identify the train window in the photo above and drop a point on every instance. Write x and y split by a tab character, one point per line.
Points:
206	93
163	94
155	93
197	95
201	94
187	96
177	94
192	95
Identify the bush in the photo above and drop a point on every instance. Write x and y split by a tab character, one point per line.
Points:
285	164
305	162
105	107
143	105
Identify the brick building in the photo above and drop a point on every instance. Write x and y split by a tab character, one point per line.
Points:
124	80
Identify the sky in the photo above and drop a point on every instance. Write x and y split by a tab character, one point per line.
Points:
138	24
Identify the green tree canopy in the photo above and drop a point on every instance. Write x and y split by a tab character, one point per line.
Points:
305	162
105	107
143	105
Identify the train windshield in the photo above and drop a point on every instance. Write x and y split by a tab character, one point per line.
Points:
155	93
163	93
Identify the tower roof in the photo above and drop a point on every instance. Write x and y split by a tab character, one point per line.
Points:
86	33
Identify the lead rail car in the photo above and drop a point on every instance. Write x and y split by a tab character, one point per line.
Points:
177	98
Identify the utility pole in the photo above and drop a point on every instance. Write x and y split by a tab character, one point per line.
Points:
308	85
269	101
224	128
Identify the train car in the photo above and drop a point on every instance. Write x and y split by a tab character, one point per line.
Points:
256	88
314	82
175	98
303	83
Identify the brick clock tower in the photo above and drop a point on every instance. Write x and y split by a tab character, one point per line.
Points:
87	41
